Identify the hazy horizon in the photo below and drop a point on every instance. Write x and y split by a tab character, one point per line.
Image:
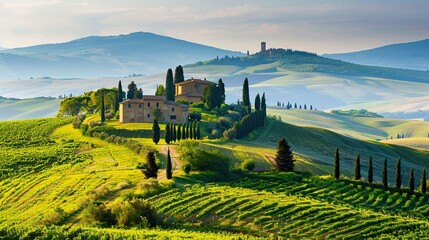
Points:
329	27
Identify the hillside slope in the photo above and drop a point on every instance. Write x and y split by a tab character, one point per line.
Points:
101	56
412	55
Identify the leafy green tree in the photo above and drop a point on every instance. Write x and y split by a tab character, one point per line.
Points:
284	157
139	94
179	132
257	102
167	133
337	164
370	171
423	183
246	96
151	170
411	181
385	182
357	175
155	132
132	92
169	170
169	86
103	115
178	74
398	174
160	90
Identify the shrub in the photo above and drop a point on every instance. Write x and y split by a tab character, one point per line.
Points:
187	168
109	115
84	128
78	120
248	165
183	101
95	124
195	116
229	133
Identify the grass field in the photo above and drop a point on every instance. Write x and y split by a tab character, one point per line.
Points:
256	205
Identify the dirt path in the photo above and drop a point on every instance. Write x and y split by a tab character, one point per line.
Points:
174	159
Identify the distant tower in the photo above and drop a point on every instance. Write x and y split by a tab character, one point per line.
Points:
263	46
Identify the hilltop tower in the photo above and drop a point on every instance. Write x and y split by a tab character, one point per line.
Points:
263	46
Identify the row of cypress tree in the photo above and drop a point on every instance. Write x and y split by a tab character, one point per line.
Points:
249	123
398	178
175	132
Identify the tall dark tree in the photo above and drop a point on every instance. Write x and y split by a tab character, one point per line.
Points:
284	157
169	170
257	102
423	183
151	170
120	96
411	181
184	131
385	182
169	86
337	164
139	94
167	133
103	116
398	174
246	96
198	133
179	133
357	175
155	132
264	105
178	74
173	132
370	171
132	90
221	86
191	130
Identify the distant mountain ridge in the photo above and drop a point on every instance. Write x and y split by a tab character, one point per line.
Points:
412	55
100	56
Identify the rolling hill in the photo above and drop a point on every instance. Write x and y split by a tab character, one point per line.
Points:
412	55
104	56
13	109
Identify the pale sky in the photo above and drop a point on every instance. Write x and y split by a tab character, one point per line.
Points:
312	25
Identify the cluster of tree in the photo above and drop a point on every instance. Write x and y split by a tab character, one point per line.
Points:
214	95
398	178
290	106
176	132
133	92
356	113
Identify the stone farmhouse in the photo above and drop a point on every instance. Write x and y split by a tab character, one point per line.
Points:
146	110
191	90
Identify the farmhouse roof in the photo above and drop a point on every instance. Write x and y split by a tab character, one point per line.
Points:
192	80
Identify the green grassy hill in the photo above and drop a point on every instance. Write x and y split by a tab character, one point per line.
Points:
51	175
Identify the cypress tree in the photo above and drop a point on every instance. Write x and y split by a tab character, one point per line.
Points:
385	182
357	168
221	86
103	116
169	86
178	74
246	96
187	130
184	131
191	130
120	96
411	181
155	132
423	183
173	132
257	102
284	157
169	170
198	131
179	133
337	164
398	174
370	172
152	169
167	133
264	106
